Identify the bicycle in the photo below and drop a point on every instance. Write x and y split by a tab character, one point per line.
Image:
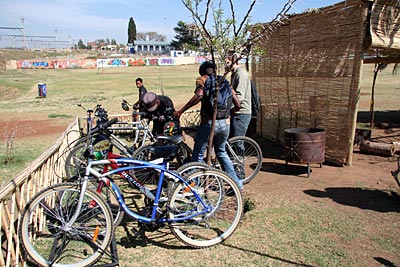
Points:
202	209
77	158
395	173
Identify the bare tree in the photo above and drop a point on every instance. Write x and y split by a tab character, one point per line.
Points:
223	33
152	36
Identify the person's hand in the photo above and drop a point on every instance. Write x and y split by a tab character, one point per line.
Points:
176	114
234	110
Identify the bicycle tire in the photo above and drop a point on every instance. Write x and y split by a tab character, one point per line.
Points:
214	226
395	173
44	224
396	178
190	167
246	162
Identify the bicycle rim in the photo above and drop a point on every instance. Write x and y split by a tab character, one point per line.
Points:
49	241
246	156
219	192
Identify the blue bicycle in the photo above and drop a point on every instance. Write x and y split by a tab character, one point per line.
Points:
69	225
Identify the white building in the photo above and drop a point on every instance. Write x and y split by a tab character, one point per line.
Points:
151	47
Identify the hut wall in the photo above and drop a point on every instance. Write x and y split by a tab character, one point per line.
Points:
309	75
385	24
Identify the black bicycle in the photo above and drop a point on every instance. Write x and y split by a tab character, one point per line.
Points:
395	173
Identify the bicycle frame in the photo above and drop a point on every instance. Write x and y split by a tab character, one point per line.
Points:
138	127
137	164
126	176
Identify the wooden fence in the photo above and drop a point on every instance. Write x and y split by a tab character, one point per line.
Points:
45	171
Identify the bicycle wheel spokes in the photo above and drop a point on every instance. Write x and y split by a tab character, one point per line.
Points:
50	241
212	221
246	156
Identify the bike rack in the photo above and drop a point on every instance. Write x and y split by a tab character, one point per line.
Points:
113	254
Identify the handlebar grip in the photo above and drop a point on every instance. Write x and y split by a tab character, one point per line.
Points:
104	125
110	122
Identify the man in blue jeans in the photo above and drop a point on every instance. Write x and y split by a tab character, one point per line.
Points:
221	130
241	83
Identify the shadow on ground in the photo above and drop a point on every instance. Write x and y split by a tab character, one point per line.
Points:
367	199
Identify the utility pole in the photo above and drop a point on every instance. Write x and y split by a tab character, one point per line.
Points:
23	32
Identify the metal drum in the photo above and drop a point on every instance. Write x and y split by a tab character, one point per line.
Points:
305	145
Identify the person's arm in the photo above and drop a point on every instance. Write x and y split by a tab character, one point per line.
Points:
198	96
235	100
240	81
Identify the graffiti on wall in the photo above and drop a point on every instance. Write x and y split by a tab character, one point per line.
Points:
99	63
34	64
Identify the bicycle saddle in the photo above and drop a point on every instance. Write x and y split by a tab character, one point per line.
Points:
164	151
172	139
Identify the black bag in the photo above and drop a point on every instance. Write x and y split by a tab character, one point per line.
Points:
225	97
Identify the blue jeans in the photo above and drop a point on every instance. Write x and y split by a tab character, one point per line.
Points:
221	133
239	124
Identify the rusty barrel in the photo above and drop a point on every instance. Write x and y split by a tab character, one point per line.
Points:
305	145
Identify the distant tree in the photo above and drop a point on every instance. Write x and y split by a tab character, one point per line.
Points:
81	45
108	41
113	42
131	31
153	36
187	37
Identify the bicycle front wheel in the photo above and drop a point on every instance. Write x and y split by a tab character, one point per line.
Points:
246	156
50	239
208	211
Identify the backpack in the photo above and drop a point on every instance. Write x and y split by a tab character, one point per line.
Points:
225	101
255	100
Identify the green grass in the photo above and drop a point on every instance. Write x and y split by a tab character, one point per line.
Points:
67	88
24	152
279	234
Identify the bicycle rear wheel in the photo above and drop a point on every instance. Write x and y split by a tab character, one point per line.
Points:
246	156
214	222
49	240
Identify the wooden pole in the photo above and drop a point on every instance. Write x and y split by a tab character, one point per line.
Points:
371	108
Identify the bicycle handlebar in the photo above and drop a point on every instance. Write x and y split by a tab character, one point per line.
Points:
104	126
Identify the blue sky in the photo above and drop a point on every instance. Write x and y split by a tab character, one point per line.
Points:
90	20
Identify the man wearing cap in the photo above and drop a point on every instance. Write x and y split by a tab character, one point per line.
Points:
158	108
